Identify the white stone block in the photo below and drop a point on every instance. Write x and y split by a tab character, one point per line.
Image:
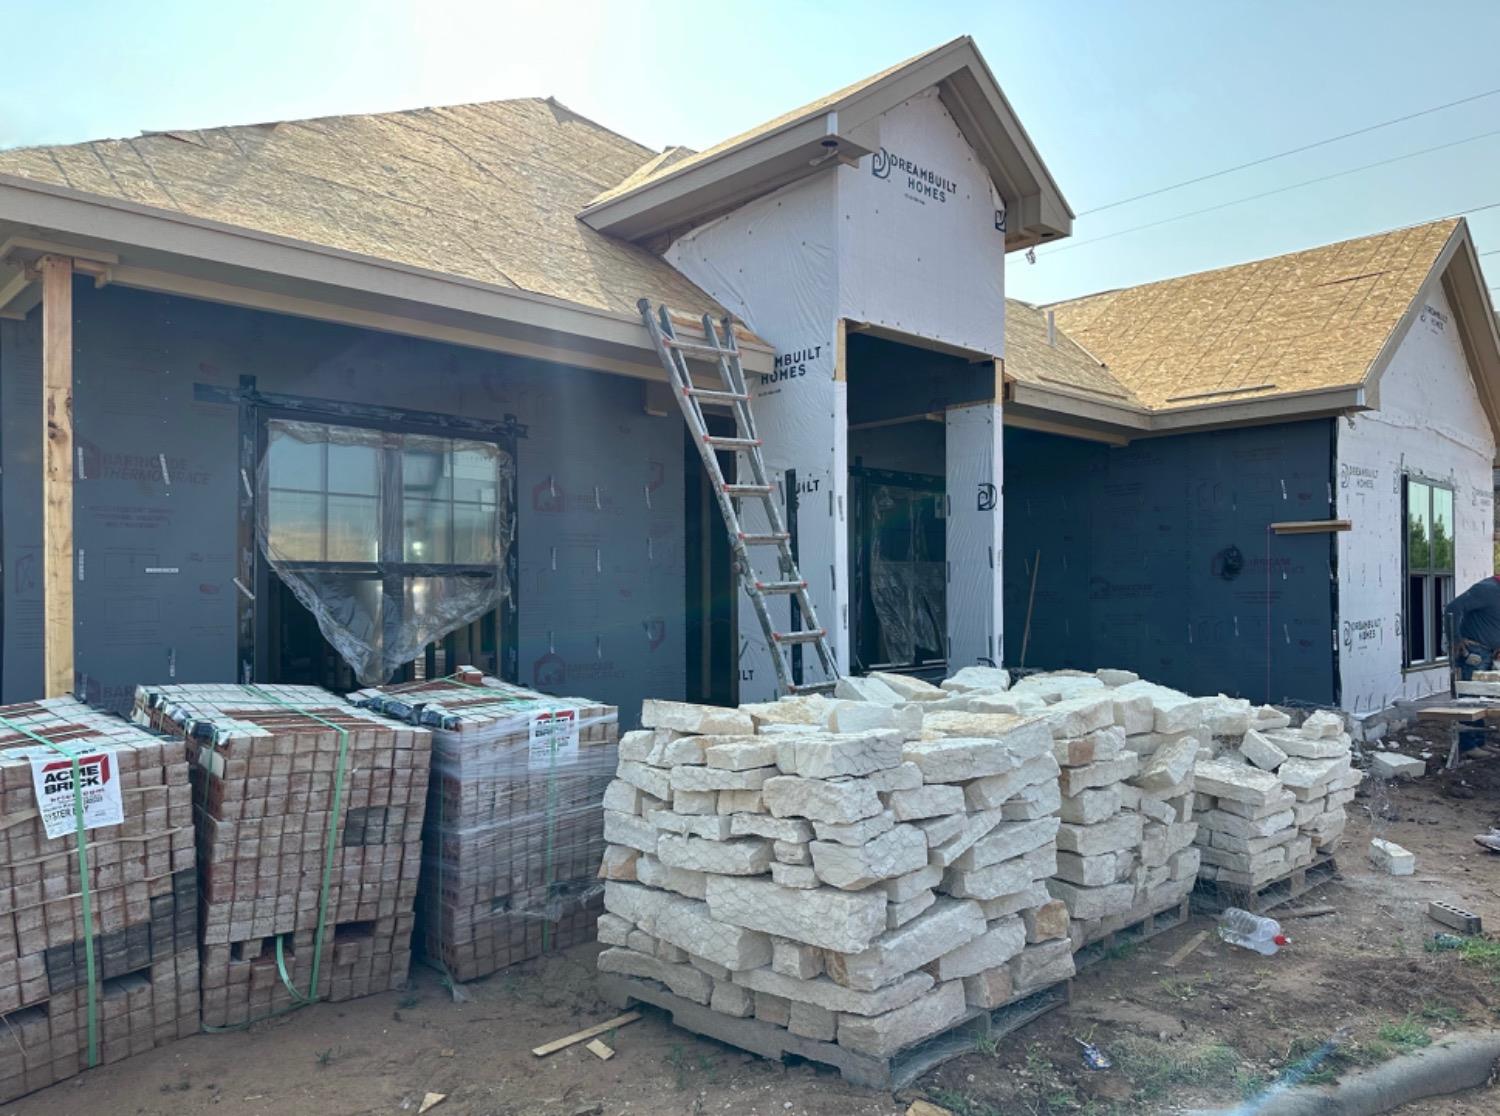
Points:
795	830
1236	782
908	687
1310	775
956	759
689	924
989	882
613	930
927	802
836	997
856	833
994	791
1258	749
1007	841
845	921
1388	765
905	887
1135	713
1040	966
653	780
730	999
739	802
940	929
622	797
863	716
975	826
1039	800
711	827
794	959
883	1035
629	830
1087	904
694	802
1323	724
940	831
733	754
1102	774
866	689
700	720
1119	832
1000	941
830	756
977	678
1391	858
1112	677
1168	767
1033	895
742	856
1045	922
653	873
1087	871
794	875
851	868
826	800
791	852
683	980
1081	715
697	778
775	1010
1090	806
899	914
811	1021
635	745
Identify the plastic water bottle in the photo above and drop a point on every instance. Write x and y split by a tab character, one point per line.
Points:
1251	931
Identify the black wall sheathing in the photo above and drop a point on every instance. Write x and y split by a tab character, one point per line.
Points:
159	493
1156	557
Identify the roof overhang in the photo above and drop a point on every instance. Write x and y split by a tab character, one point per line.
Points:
1079	415
846	131
161	250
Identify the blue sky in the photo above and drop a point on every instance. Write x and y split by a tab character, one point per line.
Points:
1119	97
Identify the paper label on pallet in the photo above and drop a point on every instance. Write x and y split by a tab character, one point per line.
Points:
52	776
554	739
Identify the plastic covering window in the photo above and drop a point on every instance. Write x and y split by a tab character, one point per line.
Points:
907	573
391	540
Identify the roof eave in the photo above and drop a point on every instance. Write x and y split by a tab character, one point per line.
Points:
164	250
846	132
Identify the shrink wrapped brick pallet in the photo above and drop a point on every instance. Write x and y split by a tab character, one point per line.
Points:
854	875
141	896
309	814
514	832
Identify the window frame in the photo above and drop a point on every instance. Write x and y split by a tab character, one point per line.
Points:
1435	579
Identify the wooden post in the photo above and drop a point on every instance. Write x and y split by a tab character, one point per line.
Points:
57	475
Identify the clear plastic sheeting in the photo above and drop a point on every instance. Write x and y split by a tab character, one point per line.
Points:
514	828
391	540
906	573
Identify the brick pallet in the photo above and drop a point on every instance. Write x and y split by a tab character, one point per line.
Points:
142	894
515	828
266	786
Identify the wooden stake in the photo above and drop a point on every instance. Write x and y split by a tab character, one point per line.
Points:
587	1033
57	475
1182	954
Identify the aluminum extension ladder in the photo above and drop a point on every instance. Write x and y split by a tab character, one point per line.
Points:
722	350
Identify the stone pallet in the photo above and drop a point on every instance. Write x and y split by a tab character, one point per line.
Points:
513	837
889	1073
1211	897
1133	933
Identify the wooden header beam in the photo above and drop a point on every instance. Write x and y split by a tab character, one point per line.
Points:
1311	526
57	474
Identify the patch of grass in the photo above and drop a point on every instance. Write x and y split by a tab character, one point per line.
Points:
988	1045
678	1061
1120	952
324	1058
1249	1084
1406	1034
410	1000
1484	954
1182	989
1156	1067
1442	1013
1369	1053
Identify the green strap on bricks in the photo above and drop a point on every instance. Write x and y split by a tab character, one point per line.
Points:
83	873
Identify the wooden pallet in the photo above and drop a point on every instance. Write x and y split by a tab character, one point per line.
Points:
1133	933
1211	896
770	1041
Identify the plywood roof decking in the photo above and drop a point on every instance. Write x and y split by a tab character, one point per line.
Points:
1294	323
1059	365
482	191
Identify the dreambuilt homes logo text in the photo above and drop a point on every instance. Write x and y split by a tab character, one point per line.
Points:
921	183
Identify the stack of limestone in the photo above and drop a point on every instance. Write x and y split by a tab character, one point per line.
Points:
142	894
855	870
266	789
1127	750
1315	764
514	829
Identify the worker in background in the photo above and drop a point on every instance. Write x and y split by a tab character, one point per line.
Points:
1476	625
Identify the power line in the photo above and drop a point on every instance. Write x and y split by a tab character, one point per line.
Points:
1291	151
1269	193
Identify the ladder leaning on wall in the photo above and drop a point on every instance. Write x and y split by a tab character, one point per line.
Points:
720	348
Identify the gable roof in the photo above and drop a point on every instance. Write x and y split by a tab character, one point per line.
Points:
844	125
486	191
1304	321
1291	336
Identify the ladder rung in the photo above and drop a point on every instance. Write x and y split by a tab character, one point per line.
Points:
731	443
775	538
695	347
800	637
713	396
780	586
747	489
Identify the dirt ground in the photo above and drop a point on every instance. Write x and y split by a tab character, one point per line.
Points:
1221	1025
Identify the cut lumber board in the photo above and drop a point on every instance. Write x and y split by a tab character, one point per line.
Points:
1182	954
598	1049
584	1035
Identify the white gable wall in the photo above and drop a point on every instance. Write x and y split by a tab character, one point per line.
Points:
1429	422
906	240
